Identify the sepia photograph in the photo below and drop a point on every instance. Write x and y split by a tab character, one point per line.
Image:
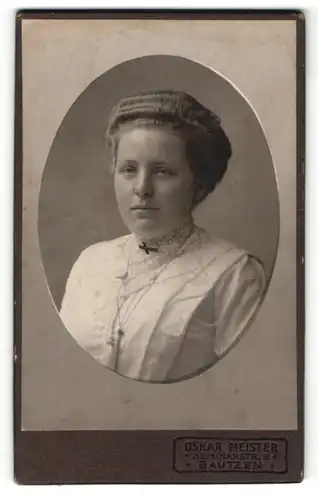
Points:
168	299
160	181
183	298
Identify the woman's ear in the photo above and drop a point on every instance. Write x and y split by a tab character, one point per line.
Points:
199	192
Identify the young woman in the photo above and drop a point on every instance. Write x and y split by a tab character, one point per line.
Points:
168	300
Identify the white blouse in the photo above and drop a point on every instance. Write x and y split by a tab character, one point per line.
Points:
165	316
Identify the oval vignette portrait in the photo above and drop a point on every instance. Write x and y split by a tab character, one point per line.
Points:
159	218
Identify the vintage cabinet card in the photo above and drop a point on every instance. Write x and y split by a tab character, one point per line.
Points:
159	242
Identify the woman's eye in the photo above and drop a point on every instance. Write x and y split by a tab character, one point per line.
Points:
163	171
128	169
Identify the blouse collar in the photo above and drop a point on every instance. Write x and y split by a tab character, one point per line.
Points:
138	257
168	245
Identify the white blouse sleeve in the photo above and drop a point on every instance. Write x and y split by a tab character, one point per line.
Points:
237	295
222	316
73	305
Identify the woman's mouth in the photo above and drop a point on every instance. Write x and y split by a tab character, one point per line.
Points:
142	207
144	211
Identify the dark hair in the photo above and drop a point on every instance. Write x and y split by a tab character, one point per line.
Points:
208	148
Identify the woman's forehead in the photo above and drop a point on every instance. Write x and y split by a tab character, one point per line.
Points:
150	140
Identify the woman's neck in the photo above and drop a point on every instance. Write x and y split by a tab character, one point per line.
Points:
173	240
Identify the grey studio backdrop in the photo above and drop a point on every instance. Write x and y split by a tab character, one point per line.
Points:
62	386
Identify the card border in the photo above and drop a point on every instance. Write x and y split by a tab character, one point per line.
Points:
81	457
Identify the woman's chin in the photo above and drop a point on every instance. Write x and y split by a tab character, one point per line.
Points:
145	229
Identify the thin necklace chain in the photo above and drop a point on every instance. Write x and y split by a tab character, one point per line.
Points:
112	341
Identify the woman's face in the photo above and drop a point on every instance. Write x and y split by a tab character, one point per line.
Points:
153	181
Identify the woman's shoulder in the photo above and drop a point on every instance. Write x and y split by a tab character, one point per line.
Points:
100	255
101	247
231	257
214	245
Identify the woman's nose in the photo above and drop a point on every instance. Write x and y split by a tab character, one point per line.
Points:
144	186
